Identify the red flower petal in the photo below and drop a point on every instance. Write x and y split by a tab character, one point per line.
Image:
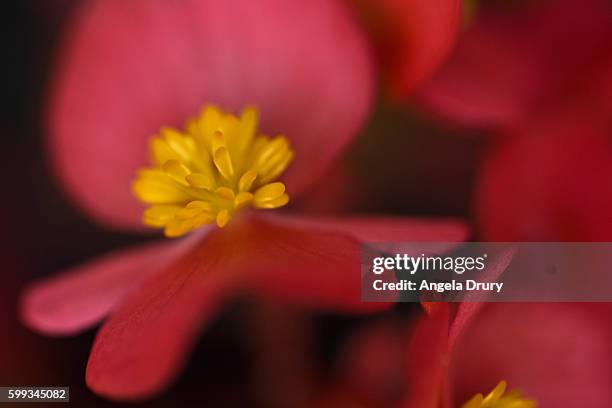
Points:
557	353
145	342
306	265
428	360
323	254
81	297
382	228
510	60
129	68
550	181
435	335
412	37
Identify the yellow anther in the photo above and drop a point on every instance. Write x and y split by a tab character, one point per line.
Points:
176	170
225	193
223	162
200	205
246	181
159	215
200	180
223	218
270	192
217	166
243	199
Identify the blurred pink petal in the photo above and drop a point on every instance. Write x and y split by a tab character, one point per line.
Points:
549	181
427	359
144	344
374	228
79	298
337	191
512	59
308	267
128	68
558	354
412	37
331	242
435	336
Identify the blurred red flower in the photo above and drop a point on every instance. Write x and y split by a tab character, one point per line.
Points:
557	354
538	75
411	38
129	67
554	354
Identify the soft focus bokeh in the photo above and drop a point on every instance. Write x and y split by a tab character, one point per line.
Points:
499	117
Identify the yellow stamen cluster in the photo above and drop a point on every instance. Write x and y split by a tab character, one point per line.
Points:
497	399
206	173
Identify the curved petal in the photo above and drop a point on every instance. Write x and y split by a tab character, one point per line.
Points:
144	344
511	59
435	335
306	266
549	181
79	298
412	37
142	347
321	256
558	354
428	360
129	68
372	228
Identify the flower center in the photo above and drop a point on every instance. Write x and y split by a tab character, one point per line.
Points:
497	399
206	173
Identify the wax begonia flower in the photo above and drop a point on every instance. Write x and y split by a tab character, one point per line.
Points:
131	68
550	173
299	62
411	37
539	75
549	180
308	262
127	70
514	58
539	355
374	360
555	354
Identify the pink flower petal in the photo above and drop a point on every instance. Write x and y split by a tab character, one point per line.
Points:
557	353
435	335
140	350
307	266
412	37
549	181
81	297
322	255
427	360
143	345
512	59
128	68
372	228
